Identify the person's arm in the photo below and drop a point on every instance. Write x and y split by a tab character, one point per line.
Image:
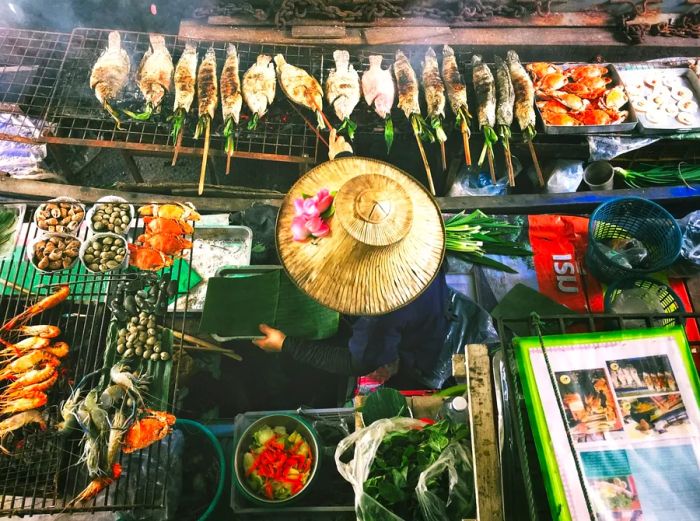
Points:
330	358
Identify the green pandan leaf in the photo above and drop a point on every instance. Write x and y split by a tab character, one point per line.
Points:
384	403
388	133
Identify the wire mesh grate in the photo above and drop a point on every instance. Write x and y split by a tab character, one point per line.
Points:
45	471
281	135
532	481
29	65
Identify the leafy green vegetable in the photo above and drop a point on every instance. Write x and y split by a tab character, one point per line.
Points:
384	403
661	175
401	458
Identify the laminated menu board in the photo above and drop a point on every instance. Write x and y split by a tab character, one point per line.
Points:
630	400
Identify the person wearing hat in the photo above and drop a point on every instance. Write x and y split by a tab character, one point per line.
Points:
381	263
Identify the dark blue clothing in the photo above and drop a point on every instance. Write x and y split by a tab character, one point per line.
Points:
413	334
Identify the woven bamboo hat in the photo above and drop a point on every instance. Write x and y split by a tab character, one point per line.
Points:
386	243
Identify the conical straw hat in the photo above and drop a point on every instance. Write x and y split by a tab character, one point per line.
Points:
386	243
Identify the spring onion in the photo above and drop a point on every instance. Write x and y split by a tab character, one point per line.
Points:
472	236
661	175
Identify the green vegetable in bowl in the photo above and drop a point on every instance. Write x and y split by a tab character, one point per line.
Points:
277	465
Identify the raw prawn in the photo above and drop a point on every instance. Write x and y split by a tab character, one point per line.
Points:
154	427
27	362
97	485
146	258
18	421
42	331
166	243
163	225
121	375
68	408
118	426
41	306
184	211
32	400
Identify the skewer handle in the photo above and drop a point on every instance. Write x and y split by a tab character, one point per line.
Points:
205	154
228	162
177	147
443	157
465	141
325	119
509	163
536	162
492	169
428	173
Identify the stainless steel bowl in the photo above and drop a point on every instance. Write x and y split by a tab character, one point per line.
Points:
291	423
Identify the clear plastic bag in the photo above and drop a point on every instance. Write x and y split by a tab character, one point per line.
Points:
565	176
366	443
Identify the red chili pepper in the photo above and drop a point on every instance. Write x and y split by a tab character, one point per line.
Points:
429	421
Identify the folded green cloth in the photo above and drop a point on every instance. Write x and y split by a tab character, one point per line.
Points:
236	305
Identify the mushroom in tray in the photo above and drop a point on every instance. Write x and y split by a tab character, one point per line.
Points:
110	73
153	77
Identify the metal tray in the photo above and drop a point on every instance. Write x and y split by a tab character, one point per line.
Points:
632	74
628	126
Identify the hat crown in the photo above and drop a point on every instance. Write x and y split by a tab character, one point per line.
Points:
374	209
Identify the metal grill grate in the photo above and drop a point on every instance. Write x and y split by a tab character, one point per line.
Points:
531	487
45	472
29	65
281	135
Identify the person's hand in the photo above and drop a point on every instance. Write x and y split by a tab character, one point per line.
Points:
337	144
272	341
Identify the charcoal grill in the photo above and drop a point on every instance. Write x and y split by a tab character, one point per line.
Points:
282	135
29	65
45	473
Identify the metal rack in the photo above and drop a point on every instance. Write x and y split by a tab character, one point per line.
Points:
45	472
282	135
534	499
29	65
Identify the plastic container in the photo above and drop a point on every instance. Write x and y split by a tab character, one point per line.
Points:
8	248
70	200
645	297
631	218
455	409
46	236
292	423
89	240
111	199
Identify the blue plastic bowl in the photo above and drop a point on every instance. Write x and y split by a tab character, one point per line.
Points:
632	218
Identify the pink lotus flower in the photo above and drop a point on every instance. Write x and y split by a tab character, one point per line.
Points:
298	206
299	230
310	207
324	200
317	227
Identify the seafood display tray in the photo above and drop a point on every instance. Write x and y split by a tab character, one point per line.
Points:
626	127
632	74
282	135
45	471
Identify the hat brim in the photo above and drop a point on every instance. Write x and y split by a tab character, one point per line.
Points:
347	275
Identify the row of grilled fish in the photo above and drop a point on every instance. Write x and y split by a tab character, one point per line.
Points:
498	98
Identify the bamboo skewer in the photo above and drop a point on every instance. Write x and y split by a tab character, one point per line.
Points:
536	163
229	155
309	124
442	156
492	169
509	163
325	119
205	154
425	162
203	344
465	141
219	350
177	146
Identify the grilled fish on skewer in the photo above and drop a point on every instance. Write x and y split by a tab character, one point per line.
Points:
457	96
485	89
185	74
378	89
407	86
207	94
110	73
154	76
259	84
434	91
524	95
504	111
343	90
524	106
300	87
231	99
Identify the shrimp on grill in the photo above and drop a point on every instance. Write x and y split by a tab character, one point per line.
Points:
97	485
30	400
24	380
18	421
42	331
40	385
27	363
46	303
31	343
